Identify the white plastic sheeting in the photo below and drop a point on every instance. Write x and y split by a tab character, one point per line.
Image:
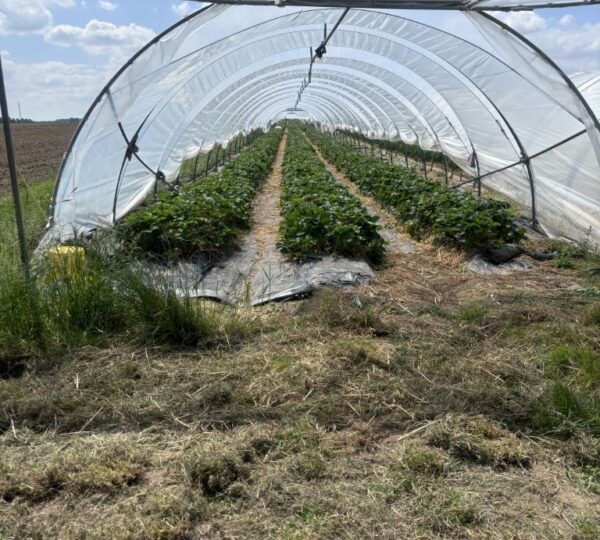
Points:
476	5
383	75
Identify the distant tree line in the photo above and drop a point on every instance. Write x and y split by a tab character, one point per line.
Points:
20	120
30	121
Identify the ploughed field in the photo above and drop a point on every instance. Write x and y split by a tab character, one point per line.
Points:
39	149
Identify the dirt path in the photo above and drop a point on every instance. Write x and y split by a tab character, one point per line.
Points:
397	243
266	218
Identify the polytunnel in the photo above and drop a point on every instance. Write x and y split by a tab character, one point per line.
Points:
503	112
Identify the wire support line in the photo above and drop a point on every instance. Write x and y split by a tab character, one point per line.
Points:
318	53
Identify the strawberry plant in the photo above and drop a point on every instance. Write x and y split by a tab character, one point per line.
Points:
206	216
427	207
320	216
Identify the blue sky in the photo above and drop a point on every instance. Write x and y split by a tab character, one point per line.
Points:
58	54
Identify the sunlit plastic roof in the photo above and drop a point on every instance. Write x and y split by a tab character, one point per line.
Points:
505	112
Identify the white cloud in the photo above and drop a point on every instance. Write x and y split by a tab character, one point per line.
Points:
99	37
28	16
523	21
50	90
567	20
574	47
182	9
107	6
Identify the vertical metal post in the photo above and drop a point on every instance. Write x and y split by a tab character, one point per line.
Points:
405	154
12	169
424	162
207	162
445	169
195	166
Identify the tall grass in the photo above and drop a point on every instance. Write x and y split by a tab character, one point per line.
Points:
89	298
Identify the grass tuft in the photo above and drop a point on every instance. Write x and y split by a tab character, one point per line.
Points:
215	474
479	440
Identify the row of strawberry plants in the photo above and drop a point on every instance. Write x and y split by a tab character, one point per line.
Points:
427	208
412	151
208	215
319	215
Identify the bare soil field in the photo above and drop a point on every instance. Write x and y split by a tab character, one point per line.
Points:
39	149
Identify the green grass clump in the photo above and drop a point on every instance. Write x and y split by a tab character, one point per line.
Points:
592	315
206	216
472	313
450	216
320	216
572	400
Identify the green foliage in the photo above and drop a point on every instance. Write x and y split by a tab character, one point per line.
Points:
206	216
215	157
163	317
320	216
428	208
573	397
81	299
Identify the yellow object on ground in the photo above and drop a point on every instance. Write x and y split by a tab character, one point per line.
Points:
66	259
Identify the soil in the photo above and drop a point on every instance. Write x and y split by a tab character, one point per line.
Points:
39	149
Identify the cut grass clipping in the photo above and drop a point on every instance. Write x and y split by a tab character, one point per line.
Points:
208	215
426	207
320	216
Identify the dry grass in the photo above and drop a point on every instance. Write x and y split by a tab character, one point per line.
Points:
349	414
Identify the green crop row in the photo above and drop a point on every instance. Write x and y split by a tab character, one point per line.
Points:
208	215
426	207
204	163
319	215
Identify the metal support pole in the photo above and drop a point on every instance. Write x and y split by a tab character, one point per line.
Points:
12	169
207	162
195	166
424	162
405	154
445	169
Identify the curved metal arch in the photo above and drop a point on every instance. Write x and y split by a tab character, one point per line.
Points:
432	103
375	86
488	104
443	64
414	111
284	102
361	121
314	101
289	88
257	92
